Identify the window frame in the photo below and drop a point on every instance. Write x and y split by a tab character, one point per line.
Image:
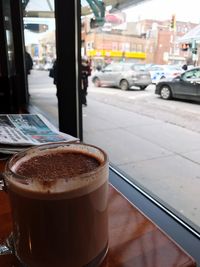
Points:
180	232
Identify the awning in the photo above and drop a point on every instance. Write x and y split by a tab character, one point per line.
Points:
45	8
191	36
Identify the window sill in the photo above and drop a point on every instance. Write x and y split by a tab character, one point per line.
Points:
174	229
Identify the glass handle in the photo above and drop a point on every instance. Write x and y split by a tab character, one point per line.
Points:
4	250
7	247
2	182
1	185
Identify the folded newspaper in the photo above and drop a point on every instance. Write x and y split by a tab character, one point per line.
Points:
18	131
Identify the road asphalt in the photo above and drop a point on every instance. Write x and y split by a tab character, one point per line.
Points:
161	157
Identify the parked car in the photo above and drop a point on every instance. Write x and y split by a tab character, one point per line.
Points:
184	86
122	75
159	72
48	66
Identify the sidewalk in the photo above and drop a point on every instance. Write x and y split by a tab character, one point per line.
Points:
150	151
162	157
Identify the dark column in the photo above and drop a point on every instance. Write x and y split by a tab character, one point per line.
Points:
7	62
21	87
13	94
67	15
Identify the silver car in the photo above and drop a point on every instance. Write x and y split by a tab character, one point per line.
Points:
123	75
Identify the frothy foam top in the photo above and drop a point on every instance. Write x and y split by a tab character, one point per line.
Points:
58	171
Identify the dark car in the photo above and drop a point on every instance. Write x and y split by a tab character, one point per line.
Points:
123	75
185	86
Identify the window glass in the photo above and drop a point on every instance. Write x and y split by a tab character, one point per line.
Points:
154	142
116	67
193	74
189	75
127	67
138	67
39	35
150	140
108	68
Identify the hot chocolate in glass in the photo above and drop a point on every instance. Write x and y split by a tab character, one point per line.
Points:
59	200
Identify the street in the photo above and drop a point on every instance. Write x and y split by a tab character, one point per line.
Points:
178	112
156	142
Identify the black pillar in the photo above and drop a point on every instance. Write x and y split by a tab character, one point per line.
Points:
21	84
67	15
13	87
7	59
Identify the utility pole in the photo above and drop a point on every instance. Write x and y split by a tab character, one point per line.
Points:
173	28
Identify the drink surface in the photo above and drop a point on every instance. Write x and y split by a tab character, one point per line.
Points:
57	171
57	165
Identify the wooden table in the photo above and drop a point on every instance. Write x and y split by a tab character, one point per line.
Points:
135	241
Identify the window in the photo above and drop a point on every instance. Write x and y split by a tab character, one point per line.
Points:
114	46
193	74
146	138
136	127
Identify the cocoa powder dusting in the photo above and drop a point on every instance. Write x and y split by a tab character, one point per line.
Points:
50	167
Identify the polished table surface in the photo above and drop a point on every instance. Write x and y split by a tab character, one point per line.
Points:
134	240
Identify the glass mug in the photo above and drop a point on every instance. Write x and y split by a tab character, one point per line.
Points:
59	201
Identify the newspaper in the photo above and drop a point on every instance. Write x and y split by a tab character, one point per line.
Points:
18	131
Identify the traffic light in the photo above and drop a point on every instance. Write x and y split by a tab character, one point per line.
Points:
185	46
194	50
173	22
194	47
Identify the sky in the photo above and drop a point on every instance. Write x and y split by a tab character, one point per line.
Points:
185	10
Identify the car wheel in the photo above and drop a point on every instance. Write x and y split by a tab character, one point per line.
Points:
142	87
97	82
165	92
124	85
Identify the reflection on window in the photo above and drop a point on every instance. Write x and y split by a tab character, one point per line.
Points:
138	130
193	74
9	38
154	142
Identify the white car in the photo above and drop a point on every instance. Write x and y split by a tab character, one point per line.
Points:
159	72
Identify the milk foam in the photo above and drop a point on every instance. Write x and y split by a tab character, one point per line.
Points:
62	187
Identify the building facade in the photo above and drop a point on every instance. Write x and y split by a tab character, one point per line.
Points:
146	41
